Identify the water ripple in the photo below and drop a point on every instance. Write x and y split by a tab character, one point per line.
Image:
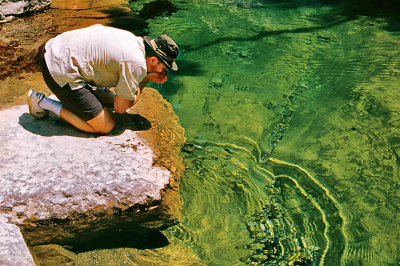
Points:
310	188
309	215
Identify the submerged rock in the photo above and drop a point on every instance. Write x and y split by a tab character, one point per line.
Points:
157	8
54	255
276	240
57	183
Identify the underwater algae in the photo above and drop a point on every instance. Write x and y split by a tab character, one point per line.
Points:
310	86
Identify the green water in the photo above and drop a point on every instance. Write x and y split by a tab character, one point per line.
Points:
291	112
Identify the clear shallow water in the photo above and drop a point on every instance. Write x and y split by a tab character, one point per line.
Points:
292	124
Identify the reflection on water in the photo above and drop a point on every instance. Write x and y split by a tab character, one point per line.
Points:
291	115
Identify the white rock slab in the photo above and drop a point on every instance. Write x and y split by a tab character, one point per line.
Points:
13	250
48	169
54	175
16	7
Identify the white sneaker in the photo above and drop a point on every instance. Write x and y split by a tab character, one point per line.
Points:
34	98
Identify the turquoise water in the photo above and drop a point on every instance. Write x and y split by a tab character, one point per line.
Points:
292	124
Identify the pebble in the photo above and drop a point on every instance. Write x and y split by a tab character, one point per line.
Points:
216	82
243	54
6	19
260	257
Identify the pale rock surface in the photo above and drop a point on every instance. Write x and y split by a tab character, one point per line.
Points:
4	19
57	182
13	250
54	176
13	7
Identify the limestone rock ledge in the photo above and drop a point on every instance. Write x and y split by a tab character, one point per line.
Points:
57	183
13	7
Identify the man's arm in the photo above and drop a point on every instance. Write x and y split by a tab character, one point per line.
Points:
122	104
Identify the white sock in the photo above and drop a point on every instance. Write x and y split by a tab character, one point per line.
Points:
51	105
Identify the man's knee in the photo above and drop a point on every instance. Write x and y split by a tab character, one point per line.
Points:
103	123
106	128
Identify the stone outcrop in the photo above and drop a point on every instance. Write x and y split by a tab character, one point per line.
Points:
13	250
13	7
58	184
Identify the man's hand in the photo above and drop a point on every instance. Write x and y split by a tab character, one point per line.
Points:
121	105
157	77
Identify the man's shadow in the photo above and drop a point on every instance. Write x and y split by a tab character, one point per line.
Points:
55	126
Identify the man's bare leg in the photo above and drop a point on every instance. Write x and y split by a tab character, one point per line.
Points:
38	103
103	123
